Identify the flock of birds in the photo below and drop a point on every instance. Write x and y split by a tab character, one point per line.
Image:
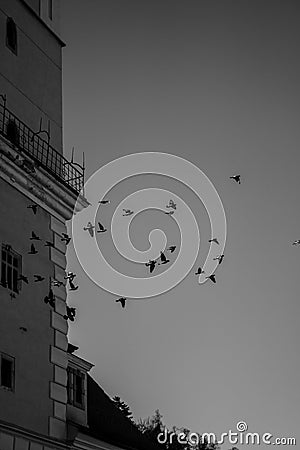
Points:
50	298
151	264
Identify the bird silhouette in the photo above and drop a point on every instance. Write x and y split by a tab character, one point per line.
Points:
56	283
104	202
50	298
219	258
127	212
33	250
151	264
23	278
297	242
237	178
34	237
172	248
38	278
90	228
122	300
49	244
71	312
199	271
65	238
212	278
171	204
70	276
215	240
33	207
72	286
101	228
163	258
169	213
23	329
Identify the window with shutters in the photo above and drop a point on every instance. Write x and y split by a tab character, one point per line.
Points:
76	379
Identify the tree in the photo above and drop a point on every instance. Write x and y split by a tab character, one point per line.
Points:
123	407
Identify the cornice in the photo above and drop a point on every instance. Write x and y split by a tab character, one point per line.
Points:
36	183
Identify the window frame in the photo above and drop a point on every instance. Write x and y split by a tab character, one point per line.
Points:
14	37
72	373
50	9
12	260
12	360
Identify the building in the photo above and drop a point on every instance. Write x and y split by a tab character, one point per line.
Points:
47	398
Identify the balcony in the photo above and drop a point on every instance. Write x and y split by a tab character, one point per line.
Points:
32	144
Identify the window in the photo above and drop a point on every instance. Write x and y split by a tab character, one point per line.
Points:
11	35
50	9
11	268
12	132
76	380
7	373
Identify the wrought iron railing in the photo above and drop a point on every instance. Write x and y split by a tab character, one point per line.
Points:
32	144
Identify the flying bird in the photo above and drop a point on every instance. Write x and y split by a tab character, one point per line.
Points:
215	240
90	228
72	286
169	212
171	248
33	207
163	258
49	244
297	242
151	264
122	300
23	329
65	238
34	237
33	250
56	283
70	276
171	204
101	228
104	202
50	298
38	278
23	278
212	278
71	312
219	258
236	178
127	212
199	271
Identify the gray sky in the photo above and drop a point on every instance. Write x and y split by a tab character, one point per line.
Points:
216	82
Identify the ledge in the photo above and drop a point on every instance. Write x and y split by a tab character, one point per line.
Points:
39	185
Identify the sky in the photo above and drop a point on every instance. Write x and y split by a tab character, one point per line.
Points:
216	83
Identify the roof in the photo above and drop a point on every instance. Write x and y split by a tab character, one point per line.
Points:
108	423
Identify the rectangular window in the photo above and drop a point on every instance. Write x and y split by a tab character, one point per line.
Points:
50	9
7	371
11	268
11	35
76	380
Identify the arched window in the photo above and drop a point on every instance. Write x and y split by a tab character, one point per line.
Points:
12	132
11	35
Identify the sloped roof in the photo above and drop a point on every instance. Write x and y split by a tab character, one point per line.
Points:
107	423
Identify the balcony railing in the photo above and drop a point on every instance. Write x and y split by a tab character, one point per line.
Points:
32	144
